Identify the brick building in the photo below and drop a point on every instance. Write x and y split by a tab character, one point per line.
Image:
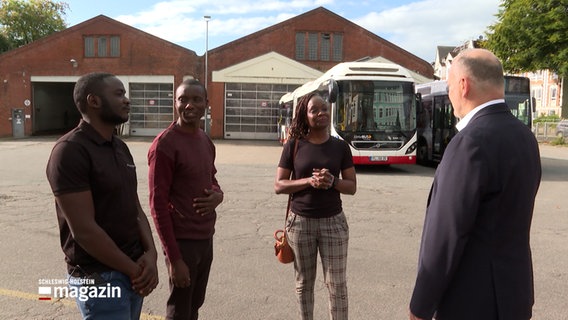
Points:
246	77
38	79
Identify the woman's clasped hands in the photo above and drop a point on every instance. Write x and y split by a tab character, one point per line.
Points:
321	179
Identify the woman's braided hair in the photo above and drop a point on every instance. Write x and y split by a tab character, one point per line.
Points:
300	126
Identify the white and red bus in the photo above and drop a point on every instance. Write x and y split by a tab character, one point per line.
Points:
436	123
373	110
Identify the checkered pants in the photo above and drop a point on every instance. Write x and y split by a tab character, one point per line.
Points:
330	236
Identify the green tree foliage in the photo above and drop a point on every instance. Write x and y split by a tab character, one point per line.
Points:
24	21
532	35
4	43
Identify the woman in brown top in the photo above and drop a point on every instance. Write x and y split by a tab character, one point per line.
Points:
322	170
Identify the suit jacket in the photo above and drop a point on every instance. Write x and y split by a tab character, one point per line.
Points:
475	258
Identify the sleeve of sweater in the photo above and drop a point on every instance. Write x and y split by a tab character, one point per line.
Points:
160	176
215	186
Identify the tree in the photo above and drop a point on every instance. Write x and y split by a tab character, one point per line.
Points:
532	35
22	22
4	43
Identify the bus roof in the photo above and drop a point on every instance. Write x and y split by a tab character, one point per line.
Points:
360	70
287	97
435	87
367	69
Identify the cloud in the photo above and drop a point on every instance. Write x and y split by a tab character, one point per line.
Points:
181	21
420	27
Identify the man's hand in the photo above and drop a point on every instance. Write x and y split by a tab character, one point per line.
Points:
179	272
206	205
147	280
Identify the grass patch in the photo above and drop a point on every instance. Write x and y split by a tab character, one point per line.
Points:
559	141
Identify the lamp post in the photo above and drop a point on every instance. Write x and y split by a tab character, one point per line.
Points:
207	111
207	18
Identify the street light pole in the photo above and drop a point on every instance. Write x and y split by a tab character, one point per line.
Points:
207	18
208	110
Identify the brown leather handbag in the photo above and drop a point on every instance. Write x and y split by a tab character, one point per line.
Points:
282	249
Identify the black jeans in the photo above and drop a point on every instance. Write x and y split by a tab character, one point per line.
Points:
184	303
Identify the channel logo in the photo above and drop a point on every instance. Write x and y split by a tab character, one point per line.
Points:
81	289
44	293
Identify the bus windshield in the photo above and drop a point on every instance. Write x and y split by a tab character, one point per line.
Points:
381	113
520	107
518	98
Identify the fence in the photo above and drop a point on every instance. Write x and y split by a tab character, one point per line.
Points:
545	130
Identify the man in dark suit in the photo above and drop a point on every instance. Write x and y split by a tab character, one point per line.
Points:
475	257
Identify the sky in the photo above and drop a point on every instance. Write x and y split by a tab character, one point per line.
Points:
418	26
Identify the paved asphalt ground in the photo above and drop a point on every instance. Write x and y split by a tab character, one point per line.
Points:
385	218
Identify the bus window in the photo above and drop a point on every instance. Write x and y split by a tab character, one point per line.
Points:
517	97
444	124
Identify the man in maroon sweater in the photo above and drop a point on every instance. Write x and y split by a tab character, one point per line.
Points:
183	196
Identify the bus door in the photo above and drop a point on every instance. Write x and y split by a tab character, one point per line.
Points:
443	126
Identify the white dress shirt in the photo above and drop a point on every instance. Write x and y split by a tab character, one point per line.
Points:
463	122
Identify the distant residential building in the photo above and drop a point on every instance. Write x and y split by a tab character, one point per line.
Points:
545	84
546	89
443	60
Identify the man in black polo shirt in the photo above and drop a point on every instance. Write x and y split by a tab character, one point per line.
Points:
104	232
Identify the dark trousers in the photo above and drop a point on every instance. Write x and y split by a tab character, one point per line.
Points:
184	303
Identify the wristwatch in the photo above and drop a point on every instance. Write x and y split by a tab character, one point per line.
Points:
334	182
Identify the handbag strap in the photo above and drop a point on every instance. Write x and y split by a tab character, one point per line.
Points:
291	174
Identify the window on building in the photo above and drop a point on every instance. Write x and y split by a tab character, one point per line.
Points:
312	46
324	52
322	46
115	46
89	47
300	46
102	46
553	93
337	47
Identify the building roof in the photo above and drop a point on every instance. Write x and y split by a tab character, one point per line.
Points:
306	16
267	68
442	52
100	19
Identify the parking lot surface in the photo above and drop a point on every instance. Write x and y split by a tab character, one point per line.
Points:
247	282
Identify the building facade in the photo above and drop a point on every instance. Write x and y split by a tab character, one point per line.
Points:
546	86
249	75
246	77
38	79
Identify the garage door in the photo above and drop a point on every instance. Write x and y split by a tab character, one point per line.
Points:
251	110
151	108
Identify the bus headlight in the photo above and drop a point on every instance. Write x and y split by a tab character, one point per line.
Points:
411	149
